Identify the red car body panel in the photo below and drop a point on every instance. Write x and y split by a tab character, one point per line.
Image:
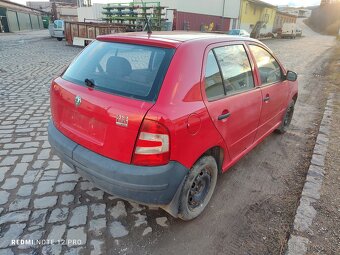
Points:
181	106
93	123
239	129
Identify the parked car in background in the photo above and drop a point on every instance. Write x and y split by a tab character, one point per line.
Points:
238	32
57	29
288	30
298	32
139	115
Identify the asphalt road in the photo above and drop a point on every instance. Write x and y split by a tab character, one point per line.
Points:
250	213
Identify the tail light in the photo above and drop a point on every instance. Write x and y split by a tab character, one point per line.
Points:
153	145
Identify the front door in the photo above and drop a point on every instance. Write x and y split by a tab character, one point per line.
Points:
232	99
273	87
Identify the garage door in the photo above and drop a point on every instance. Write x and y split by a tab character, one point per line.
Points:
24	21
35	22
12	21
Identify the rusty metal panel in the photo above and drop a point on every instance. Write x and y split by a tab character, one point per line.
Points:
88	30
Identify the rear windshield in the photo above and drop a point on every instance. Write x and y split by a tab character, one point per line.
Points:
58	24
128	70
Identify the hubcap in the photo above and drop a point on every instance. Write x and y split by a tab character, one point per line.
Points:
199	189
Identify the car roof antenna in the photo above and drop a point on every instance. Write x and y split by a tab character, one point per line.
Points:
147	21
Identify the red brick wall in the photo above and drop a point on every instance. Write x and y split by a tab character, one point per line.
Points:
196	20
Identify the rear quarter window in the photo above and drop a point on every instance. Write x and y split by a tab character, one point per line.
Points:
129	70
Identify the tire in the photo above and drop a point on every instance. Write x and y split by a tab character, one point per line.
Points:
198	188
287	118
59	39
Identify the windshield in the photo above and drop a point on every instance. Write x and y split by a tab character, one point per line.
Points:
129	70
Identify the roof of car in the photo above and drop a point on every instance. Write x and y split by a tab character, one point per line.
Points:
169	38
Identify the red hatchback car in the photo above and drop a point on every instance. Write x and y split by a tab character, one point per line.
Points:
155	118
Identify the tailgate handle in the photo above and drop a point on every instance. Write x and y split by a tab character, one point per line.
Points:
224	116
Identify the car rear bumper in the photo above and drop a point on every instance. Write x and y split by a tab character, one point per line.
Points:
147	185
59	33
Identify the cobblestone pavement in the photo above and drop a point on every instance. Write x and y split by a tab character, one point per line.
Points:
43	199
40	197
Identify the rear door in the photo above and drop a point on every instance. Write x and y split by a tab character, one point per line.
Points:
58	28
102	98
232	99
274	89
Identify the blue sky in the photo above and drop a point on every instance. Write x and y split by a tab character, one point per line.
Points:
294	3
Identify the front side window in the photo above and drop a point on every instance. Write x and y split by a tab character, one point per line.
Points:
235	67
129	70
269	68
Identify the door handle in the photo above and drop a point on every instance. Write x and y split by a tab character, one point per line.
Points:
224	116
266	99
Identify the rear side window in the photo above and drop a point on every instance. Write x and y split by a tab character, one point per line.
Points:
235	67
270	71
129	70
213	80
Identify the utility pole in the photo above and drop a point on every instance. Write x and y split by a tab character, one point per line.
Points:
240	14
222	25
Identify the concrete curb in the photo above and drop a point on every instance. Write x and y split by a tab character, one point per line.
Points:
305	213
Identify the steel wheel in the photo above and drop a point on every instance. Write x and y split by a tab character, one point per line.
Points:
198	188
287	119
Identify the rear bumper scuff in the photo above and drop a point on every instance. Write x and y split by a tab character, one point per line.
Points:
147	185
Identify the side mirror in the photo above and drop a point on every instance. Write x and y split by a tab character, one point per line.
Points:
291	76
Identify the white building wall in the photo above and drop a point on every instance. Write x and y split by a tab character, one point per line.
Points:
92	12
212	7
226	8
67	11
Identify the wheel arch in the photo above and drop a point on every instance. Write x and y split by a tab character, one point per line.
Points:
218	154
295	96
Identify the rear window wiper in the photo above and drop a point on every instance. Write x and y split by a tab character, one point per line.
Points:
89	83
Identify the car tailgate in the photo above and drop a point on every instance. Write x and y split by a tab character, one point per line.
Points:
104	123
